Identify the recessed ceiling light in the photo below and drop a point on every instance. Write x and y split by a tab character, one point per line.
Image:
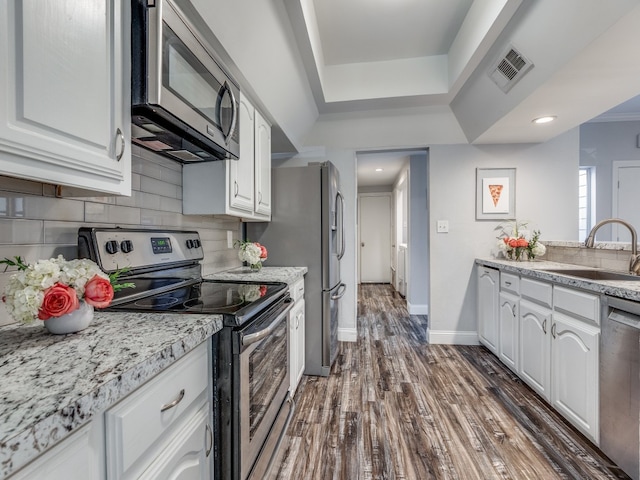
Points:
378	169
545	119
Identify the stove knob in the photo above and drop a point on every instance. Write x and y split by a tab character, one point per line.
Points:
189	244
126	246
111	247
196	243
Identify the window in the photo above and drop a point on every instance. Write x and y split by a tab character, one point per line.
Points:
586	201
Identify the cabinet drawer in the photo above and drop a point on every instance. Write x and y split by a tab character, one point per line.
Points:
135	423
576	303
296	290
509	282
537	291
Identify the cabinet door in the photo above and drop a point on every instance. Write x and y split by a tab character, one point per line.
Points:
241	181
535	347
64	93
574	364
78	457
488	285
509	305
296	353
188	455
262	166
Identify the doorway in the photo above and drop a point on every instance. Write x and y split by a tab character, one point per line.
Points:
626	178
374	220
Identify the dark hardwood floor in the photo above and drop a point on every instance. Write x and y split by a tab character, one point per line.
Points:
395	407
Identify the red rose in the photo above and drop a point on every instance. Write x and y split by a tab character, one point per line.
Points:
58	300
263	290
522	243
263	250
98	292
513	242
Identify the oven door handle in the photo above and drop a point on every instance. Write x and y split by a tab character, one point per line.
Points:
257	336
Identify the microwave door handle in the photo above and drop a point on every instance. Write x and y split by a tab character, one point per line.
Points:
234	112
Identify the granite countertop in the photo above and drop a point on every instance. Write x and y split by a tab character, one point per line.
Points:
265	274
52	384
629	289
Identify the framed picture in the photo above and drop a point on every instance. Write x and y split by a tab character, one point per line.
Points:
495	193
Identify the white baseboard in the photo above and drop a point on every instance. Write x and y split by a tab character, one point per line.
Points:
447	337
417	309
347	334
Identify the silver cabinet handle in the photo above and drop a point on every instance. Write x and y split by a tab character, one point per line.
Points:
260	198
173	403
544	326
235	188
513	310
210	435
553	330
508	284
122	146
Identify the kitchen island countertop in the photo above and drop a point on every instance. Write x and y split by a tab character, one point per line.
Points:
53	384
265	274
628	289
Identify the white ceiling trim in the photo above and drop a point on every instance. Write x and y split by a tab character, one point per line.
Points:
422	76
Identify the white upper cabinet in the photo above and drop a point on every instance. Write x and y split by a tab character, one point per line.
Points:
241	171
262	166
65	93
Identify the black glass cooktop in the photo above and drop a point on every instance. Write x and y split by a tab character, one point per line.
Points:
204	296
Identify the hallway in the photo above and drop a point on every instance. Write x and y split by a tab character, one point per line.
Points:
395	407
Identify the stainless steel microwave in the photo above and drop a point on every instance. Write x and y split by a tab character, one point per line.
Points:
184	104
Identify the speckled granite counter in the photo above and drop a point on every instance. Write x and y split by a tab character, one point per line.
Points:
265	274
539	269
52	384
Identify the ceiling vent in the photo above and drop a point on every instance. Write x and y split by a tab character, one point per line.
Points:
509	68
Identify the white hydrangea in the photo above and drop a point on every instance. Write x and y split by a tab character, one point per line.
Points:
249	253
539	249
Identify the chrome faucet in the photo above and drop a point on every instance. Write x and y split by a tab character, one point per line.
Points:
634	261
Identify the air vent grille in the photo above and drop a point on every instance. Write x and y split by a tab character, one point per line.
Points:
509	68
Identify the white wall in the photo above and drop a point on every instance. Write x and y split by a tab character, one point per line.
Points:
601	144
546	196
345	161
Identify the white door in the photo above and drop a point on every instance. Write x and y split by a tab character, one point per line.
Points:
375	238
626	177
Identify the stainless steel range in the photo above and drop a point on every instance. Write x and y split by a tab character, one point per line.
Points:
251	405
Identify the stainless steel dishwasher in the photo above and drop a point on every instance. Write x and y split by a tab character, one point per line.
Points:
620	383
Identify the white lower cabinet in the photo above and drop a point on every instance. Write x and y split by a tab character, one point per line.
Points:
549	335
488	311
78	457
535	347
164	426
574	373
297	335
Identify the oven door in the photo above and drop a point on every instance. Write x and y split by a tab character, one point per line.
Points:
263	383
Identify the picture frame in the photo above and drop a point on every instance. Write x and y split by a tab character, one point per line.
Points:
495	193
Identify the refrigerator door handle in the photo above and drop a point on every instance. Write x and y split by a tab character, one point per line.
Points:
342	288
341	232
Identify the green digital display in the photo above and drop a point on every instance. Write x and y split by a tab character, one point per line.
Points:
161	245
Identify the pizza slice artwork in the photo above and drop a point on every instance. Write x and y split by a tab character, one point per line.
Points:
495	191
495	195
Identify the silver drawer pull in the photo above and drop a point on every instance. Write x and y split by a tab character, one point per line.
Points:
174	403
508	284
210	435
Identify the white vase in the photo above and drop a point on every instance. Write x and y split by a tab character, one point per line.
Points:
72	322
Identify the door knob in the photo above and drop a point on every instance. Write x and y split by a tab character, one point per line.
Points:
362	244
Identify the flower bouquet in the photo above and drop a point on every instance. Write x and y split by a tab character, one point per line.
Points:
252	253
52	288
516	242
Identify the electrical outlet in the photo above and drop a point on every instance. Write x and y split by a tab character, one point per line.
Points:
229	239
442	226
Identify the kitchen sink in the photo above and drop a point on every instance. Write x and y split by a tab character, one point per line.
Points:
594	274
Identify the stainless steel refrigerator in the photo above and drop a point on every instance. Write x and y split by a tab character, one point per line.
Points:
307	229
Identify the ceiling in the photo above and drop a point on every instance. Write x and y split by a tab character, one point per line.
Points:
396	55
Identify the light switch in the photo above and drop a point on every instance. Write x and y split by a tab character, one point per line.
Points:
442	226
229	239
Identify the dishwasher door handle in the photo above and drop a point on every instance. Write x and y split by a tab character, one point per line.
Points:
626	318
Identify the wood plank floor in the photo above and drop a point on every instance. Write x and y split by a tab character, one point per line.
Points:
395	407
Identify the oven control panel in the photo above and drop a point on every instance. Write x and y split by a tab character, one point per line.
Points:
119	248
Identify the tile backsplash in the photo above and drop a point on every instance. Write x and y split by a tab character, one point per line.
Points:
36	224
